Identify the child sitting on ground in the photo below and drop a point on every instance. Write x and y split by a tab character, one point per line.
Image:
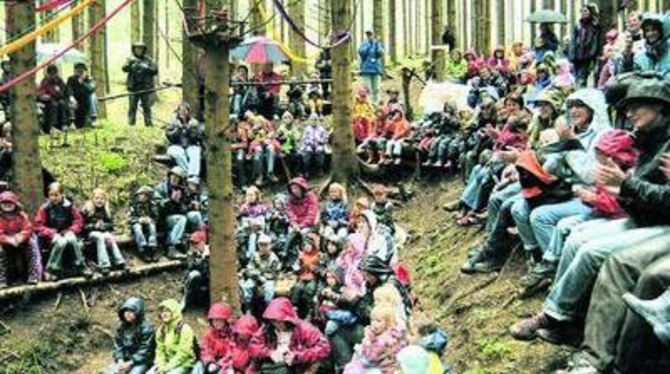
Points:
16	238
383	339
304	291
175	341
252	218
196	280
99	228
329	297
57	223
382	207
313	145
243	330
335	213
142	221
216	345
277	220
260	273
134	340
388	296
362	204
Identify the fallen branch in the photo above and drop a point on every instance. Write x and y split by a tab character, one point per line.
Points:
8	355
476	288
82	281
103	330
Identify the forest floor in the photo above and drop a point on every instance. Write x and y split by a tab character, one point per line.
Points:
60	333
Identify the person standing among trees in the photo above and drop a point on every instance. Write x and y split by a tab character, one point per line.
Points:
80	87
586	44
141	71
371	52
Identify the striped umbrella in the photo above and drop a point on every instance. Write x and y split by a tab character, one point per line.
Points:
260	50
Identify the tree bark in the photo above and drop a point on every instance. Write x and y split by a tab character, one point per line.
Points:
378	18
392	45
564	26
608	14
20	15
148	27
77	27
256	19
533	26
296	43
166	31
135	25
486	27
223	257
500	10
96	12
189	73
324	20
345	162
406	38
437	55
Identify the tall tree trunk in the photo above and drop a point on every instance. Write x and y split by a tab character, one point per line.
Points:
148	26
223	257
256	20
77	27
324	20
608	14
297	44
533	26
345	162
189	72
378	19
406	41
96	12
451	17
20	15
427	23
486	27
157	44
437	55
500	10
135	22
564	26
392	45
166	31
475	27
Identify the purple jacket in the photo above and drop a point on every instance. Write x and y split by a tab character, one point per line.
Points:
313	136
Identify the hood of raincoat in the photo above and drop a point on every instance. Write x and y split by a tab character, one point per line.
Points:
173	306
470	51
662	19
553	96
135	305
220	311
281	309
619	145
246	325
301	182
595	100
11	197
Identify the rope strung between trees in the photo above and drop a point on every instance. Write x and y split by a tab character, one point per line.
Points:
277	39
53	4
51	25
48	62
339	39
20	33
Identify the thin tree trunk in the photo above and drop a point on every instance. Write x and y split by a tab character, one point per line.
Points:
166	31
52	36
500	10
76	27
96	12
392	45
297	44
533	27
157	44
406	42
189	73
486	27
27	176
564	26
608	14
451	17
256	19
345	162
417	27
223	257
135	22
475	28
148	25
378	19
427	23
437	55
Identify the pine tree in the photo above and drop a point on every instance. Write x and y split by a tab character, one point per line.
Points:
296	42
189	73
392	45
149	26
96	12
437	55
135	25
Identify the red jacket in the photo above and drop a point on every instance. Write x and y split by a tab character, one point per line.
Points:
303	212
217	346
16	225
245	328
307	343
51	220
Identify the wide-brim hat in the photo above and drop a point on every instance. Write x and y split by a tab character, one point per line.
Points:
647	91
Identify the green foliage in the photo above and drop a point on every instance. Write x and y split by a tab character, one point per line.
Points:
112	162
493	349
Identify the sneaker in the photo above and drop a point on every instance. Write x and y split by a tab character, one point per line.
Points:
561	333
527	329
538	280
481	262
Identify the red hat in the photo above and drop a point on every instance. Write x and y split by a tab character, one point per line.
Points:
9	197
620	147
198	237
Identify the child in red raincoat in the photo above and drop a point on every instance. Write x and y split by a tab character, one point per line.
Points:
243	330
16	237
287	344
216	345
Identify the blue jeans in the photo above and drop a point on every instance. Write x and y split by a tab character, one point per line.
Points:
106	247
372	83
563	229
579	265
249	285
187	158
269	155
521	214
544	219
496	200
176	224
472	190
145	235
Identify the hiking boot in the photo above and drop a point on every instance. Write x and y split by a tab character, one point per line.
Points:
561	333
482	263
174	254
539	279
656	312
474	251
527	329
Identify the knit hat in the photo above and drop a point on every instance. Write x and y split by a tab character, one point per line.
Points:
619	146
